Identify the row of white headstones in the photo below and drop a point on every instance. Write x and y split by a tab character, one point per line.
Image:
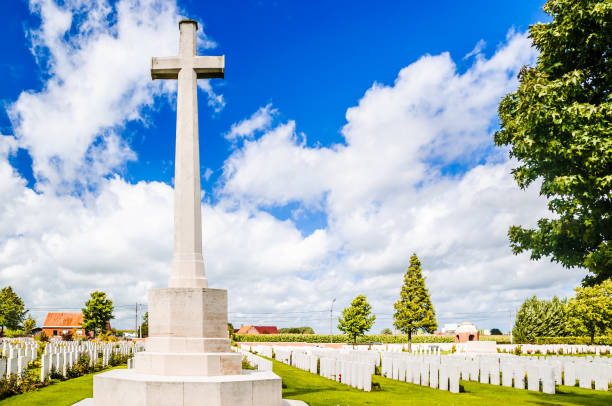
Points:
58	356
444	371
350	368
16	355
63	355
500	369
262	364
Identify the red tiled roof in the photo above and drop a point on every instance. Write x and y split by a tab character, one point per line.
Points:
63	320
260	329
266	329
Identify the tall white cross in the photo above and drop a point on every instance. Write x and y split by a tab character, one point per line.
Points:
187	261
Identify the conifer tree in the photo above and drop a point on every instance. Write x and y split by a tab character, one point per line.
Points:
414	311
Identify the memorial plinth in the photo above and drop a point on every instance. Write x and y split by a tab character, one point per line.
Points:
187	358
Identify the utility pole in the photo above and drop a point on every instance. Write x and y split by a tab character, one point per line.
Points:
331	319
136	322
139	324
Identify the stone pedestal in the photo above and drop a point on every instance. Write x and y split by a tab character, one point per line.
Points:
188	334
188	360
126	387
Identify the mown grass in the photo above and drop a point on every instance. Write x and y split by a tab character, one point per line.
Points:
62	393
318	391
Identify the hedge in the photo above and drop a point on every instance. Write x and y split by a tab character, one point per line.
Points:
324	338
500	339
599	340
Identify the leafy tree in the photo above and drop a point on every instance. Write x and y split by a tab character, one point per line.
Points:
12	310
356	319
296	330
230	331
413	310
559	127
540	318
591	310
98	311
144	326
496	332
28	325
386	331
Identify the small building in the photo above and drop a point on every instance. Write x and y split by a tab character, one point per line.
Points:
257	330
466	332
57	324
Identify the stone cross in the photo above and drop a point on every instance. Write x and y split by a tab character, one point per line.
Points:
187	67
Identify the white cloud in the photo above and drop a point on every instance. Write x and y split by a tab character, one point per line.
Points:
384	192
260	120
98	79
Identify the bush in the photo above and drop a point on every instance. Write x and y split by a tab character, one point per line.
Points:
540	318
342	338
503	339
41	337
599	340
67	336
296	330
14	333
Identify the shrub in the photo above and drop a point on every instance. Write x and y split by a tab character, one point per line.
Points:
342	338
67	336
599	340
41	337
247	365
540	318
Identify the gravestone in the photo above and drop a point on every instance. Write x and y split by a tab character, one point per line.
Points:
533	377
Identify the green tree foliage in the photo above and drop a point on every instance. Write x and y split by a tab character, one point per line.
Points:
144	326
12	310
356	319
296	330
386	331
590	312
496	332
559	127
413	310
540	318
28	325
98	311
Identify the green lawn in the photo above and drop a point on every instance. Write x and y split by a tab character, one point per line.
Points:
59	394
319	391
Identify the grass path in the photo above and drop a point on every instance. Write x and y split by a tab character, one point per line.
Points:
318	391
59	394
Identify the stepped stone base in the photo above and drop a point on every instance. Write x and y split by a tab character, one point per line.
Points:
126	387
188	364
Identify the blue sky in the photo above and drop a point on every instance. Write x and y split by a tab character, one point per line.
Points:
310	59
344	137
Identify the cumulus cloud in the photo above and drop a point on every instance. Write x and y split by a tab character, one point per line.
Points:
96	80
416	172
387	191
260	120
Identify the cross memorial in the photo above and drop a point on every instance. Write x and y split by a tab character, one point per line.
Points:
187	68
188	350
